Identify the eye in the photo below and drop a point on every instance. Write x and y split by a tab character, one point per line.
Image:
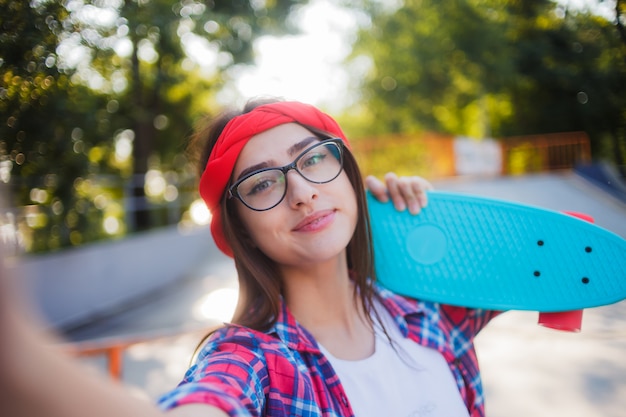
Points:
261	182
314	159
259	187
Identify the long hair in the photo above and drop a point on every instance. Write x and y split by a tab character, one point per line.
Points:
260	285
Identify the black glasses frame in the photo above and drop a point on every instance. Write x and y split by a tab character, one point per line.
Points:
233	190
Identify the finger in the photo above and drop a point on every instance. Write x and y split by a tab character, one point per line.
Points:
420	188
395	191
409	191
414	191
377	188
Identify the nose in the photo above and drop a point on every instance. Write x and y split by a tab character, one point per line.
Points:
299	190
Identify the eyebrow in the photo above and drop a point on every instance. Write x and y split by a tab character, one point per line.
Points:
291	151
296	148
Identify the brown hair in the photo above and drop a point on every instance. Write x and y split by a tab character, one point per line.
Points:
260	285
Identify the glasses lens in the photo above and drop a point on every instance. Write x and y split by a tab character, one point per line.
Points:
320	164
262	190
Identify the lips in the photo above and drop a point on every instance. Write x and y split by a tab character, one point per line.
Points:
316	221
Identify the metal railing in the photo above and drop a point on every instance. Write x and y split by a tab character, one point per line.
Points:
113	349
536	153
433	155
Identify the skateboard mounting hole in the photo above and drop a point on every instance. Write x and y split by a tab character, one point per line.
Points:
540	243
585	280
537	273
588	249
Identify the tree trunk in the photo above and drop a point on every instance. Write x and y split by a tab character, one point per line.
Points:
143	143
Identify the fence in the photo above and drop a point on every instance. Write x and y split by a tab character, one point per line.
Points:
544	152
113	349
435	156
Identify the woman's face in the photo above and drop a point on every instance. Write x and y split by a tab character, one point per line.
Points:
314	222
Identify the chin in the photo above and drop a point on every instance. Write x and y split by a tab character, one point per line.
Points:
311	255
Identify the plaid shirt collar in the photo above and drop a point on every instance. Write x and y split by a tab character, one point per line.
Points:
296	337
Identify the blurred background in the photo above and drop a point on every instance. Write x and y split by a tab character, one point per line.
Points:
523	100
99	97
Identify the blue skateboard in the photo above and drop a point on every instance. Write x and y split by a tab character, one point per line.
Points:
485	253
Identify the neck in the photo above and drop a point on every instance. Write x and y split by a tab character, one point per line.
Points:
322	299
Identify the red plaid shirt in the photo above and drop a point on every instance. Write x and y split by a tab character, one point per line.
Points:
283	373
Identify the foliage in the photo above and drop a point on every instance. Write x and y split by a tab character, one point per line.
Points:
82	80
493	69
41	147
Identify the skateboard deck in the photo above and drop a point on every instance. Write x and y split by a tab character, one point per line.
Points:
485	253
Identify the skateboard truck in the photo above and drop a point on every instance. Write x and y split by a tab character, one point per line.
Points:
567	321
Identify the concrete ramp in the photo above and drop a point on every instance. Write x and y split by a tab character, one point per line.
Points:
76	286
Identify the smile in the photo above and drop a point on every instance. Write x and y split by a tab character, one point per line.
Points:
316	221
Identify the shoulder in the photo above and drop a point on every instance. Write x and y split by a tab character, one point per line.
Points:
235	338
236	351
399	305
468	320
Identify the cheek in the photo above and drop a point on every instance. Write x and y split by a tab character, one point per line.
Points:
258	225
350	205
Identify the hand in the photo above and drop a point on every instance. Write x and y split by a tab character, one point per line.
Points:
404	191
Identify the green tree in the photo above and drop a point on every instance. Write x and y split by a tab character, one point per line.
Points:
164	88
493	68
81	76
436	66
44	123
570	78
160	90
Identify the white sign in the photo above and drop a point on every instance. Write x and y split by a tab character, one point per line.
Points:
477	156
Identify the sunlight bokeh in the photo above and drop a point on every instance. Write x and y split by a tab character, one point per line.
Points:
199	212
217	305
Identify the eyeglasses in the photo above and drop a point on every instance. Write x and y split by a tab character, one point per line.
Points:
264	189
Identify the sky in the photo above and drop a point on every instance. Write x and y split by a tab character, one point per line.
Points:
306	67
309	67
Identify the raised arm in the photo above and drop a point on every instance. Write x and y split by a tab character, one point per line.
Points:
37	379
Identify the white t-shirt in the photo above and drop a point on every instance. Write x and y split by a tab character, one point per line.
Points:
410	381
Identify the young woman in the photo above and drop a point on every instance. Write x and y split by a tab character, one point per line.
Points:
313	334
